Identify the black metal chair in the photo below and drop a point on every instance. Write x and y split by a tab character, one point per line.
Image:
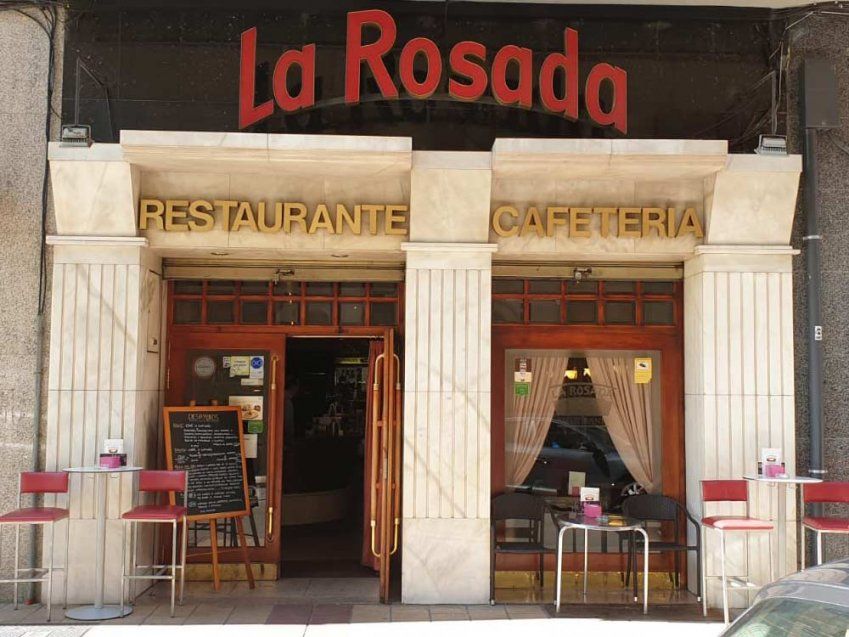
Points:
527	540
661	508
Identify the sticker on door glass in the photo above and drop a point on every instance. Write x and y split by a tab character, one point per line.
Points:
251	406
642	370
257	367
204	367
240	366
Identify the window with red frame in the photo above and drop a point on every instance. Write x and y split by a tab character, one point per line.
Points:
285	303
583	302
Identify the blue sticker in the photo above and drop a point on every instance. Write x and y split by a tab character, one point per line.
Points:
256	362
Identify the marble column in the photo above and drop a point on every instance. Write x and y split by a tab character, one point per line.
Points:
104	382
447	424
446	481
738	314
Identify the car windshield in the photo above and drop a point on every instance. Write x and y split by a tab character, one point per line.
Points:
793	618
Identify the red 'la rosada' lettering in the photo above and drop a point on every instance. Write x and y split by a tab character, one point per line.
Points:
468	79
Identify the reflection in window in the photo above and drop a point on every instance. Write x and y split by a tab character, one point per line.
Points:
545	311
220	312
287	312
658	313
793	618
186	312
507	311
577	419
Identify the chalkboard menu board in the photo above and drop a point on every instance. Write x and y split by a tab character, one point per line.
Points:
207	442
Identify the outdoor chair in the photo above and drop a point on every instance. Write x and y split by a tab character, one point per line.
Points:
524	539
824	493
39	483
157	482
728	491
661	508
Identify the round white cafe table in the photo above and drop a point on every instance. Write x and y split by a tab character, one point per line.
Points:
582	522
99	610
779	559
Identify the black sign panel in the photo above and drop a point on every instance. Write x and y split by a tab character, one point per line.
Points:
207	442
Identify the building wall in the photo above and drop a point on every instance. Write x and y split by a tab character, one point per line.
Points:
24	49
824	36
747	202
692	72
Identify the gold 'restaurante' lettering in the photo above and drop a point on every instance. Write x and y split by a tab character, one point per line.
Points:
585	222
288	217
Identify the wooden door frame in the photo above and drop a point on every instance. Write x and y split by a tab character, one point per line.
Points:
668	340
275	344
271	338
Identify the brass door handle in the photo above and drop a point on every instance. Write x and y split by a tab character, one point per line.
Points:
373	549
269	524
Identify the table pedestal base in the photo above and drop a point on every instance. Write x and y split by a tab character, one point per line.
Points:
93	613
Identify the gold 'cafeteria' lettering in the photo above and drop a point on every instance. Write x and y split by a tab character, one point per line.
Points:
583	222
289	217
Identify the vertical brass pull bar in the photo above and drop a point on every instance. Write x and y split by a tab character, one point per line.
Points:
396	460
375	448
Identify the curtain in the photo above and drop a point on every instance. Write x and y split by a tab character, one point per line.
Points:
629	419
368	559
529	417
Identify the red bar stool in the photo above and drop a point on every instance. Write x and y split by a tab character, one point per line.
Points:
157	482
824	492
37	483
727	491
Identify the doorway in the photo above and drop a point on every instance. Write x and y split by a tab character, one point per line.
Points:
227	344
325	495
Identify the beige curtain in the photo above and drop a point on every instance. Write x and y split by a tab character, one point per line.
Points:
529	417
629	419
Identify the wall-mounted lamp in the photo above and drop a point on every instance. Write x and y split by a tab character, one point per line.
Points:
582	273
775	145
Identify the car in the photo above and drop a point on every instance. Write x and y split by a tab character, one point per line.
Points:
811	603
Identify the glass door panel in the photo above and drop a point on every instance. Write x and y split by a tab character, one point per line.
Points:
236	378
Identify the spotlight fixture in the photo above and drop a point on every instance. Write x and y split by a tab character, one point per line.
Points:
581	273
775	145
75	136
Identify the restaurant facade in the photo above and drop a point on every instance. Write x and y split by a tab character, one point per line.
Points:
545	232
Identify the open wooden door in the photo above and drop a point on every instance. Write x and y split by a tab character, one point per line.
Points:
385	470
200	373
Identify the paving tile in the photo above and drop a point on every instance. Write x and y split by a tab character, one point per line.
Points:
210	613
162	614
410	613
289	614
140	613
331	614
245	613
447	612
11	616
352	589
526	611
370	613
487	612
283	590
398	613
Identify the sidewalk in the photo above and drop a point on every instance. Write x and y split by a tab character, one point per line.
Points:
551	627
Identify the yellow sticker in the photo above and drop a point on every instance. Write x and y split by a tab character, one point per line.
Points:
642	370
